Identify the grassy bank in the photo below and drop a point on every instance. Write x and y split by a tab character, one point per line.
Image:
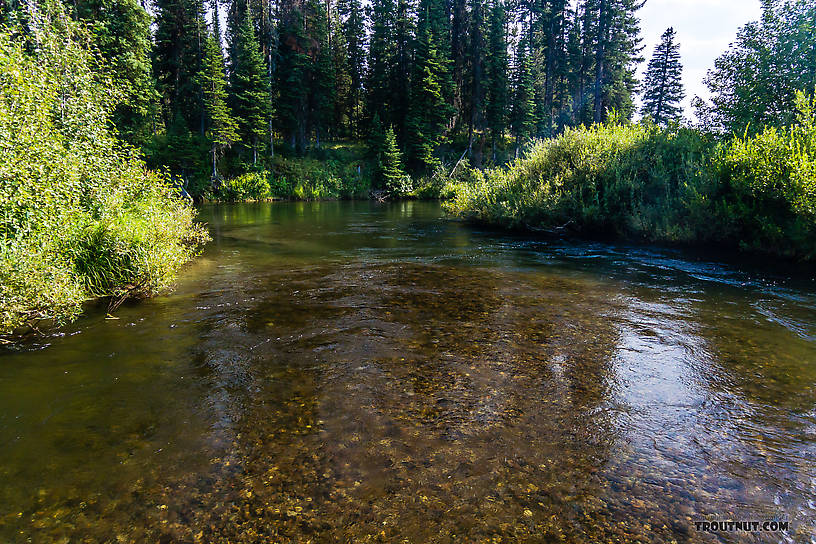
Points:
337	171
80	216
673	185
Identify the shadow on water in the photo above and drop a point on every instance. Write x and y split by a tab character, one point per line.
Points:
348	371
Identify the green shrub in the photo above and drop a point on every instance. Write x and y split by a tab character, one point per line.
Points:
80	216
623	178
309	178
445	179
669	185
766	195
335	171
249	186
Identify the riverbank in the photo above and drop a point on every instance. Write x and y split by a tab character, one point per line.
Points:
80	215
336	171
672	186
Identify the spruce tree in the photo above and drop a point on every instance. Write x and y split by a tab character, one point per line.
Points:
576	69
459	23
582	61
523	113
249	86
353	29
663	85
555	52
180	29
292	77
624	55
321	87
400	73
221	127
343	106
121	34
429	110
496	70
436	15
391	175
601	42
616	54
376	140
475	93
381	56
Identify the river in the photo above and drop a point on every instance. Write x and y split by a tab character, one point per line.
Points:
363	372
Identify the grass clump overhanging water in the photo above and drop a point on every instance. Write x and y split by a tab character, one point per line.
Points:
80	216
675	185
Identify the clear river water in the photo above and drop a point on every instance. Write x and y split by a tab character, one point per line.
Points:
363	372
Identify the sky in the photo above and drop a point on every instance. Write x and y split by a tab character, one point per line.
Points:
704	29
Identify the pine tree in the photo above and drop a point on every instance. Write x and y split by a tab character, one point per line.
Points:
353	29
523	114
400	73
663	85
391	175
496	71
221	127
249	86
429	110
295	51
380	60
121	32
180	29
343	107
321	73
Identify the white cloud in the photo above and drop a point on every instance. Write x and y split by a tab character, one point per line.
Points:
704	29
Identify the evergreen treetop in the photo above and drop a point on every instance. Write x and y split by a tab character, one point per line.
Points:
249	86
663	84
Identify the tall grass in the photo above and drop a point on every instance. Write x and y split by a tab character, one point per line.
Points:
80	216
671	185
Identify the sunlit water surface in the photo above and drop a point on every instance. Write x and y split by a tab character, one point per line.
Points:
355	372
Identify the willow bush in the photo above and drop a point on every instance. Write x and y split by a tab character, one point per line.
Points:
80	216
764	191
675	185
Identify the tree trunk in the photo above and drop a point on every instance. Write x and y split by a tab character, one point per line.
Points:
600	57
548	75
476	90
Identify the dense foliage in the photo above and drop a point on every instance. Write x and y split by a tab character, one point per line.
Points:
80	217
336	172
754	83
297	73
661	184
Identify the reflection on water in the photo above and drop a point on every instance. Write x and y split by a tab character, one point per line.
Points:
337	372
